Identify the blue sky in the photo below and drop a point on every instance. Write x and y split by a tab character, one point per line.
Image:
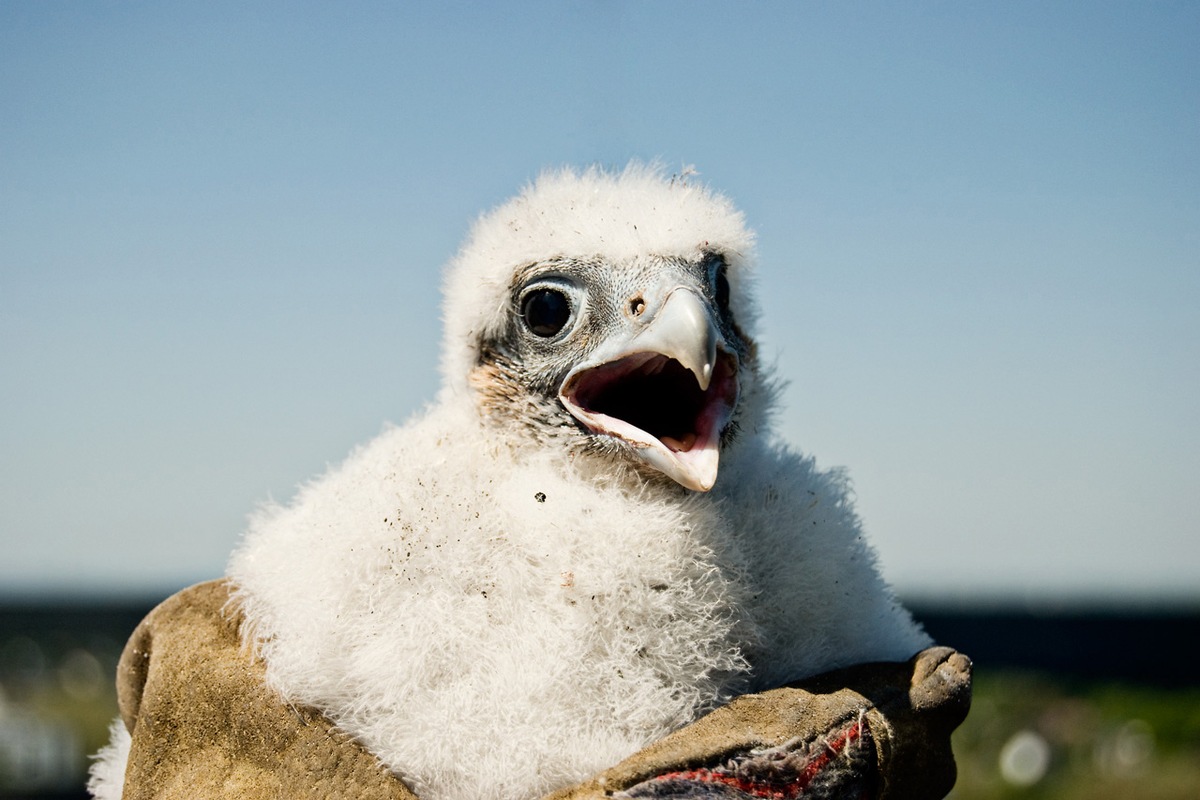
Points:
222	224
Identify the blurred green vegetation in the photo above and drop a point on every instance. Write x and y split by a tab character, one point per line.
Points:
57	698
1037	736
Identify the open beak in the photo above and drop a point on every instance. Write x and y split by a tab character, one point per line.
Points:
668	391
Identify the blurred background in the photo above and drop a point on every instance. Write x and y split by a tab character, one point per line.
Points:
221	230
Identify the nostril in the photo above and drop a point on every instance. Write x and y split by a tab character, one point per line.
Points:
637	305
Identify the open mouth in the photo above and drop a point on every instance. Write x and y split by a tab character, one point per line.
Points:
657	405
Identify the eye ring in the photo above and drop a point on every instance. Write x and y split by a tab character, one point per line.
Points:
546	311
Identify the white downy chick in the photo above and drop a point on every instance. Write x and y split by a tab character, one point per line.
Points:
591	537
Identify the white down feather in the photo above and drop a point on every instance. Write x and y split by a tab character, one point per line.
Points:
489	628
492	624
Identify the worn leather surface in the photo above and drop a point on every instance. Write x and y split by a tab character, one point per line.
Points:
205	725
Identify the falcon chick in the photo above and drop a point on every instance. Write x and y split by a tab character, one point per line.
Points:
592	537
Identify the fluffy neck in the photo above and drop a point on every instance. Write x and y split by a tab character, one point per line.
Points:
443	579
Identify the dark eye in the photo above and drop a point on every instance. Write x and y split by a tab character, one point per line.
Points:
545	311
721	288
